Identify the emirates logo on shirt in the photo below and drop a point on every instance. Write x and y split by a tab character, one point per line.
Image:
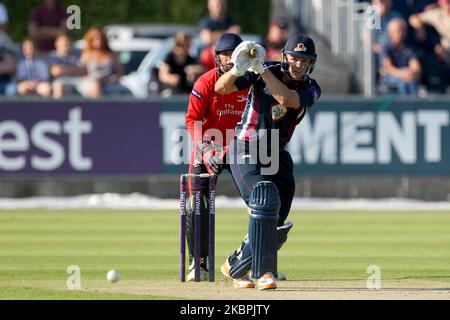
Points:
229	110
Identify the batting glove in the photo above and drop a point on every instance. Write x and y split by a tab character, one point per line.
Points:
257	62
260	52
241	58
240	65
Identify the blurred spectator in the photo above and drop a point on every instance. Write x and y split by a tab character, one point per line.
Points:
179	70
102	66
216	22
276	38
381	36
6	42
410	7
4	38
399	67
212	26
32	73
439	19
65	68
207	59
3	17
47	20
7	68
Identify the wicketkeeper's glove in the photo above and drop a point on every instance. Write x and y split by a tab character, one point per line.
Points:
216	161
211	156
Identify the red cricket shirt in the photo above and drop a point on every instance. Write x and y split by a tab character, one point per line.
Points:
214	110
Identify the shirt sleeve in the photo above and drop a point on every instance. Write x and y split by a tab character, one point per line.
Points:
383	55
199	100
246	81
20	71
309	94
431	16
52	60
190	60
42	70
63	15
168	60
3	14
230	22
204	23
411	55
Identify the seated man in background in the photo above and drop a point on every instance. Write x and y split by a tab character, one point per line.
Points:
179	70
380	37
399	67
32	73
212	26
217	22
65	67
387	14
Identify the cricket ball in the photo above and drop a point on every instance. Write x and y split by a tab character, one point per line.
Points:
113	276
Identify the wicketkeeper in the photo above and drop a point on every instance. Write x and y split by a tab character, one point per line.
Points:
280	96
208	118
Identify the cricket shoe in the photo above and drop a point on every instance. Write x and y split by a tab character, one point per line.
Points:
204	275
267	281
243	282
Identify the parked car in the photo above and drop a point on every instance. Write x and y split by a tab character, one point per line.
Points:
147	31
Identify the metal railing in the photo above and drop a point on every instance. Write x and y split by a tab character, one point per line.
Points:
343	24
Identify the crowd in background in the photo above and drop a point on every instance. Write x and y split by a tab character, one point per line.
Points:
179	70
46	64
412	51
412	47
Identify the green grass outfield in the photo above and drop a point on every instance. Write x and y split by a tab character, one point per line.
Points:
326	249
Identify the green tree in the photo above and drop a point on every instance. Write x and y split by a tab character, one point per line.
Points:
251	15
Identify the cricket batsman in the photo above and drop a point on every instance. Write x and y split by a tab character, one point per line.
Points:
208	117
279	97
